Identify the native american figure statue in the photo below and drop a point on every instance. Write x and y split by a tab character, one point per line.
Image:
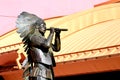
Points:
40	60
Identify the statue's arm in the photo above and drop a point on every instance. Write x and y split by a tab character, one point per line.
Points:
39	40
57	44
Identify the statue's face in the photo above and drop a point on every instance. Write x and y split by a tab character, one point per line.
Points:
42	28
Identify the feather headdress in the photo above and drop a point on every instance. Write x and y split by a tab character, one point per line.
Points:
26	22
26	25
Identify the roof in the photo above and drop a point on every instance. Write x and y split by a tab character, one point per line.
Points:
97	36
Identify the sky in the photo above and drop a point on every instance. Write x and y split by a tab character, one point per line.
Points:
10	9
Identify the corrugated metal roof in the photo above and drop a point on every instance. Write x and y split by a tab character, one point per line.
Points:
97	36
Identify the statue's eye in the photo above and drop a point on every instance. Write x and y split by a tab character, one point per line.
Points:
42	25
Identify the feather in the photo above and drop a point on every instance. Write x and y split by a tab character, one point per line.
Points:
25	25
25	22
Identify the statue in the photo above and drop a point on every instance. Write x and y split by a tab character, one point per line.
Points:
40	60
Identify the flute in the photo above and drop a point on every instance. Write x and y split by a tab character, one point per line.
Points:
58	29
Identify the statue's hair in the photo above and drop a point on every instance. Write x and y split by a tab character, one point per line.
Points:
26	22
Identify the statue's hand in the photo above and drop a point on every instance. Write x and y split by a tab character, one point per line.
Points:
52	30
57	31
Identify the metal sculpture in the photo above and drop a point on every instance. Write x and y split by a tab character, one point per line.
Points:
40	60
